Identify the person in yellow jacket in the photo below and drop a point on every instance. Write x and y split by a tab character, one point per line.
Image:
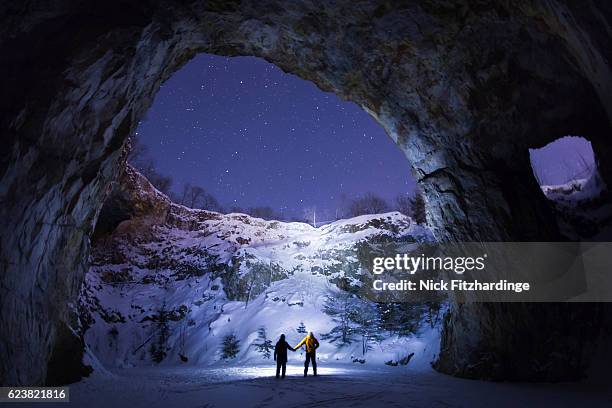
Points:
312	344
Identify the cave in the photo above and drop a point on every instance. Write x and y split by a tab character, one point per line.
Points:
463	89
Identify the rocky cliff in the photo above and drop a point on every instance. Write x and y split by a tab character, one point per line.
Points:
215	274
464	88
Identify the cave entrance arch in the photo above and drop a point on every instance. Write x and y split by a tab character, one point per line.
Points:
190	99
462	90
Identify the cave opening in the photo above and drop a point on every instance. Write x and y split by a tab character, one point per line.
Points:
567	172
241	151
240	135
458	106
567	160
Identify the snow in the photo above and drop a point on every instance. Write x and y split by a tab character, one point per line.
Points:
123	311
575	190
337	386
583	212
280	309
182	258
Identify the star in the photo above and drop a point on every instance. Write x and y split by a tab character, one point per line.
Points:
259	136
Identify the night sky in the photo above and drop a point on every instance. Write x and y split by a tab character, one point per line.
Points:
568	158
253	135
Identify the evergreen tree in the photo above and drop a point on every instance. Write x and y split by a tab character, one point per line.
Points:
159	347
432	315
339	308
302	328
366	319
356	320
230	347
264	346
402	319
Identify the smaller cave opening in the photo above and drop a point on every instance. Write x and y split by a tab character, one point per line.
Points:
567	173
567	160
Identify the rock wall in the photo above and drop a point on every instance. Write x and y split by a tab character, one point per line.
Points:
150	254
464	88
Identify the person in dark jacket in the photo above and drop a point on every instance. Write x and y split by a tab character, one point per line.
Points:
280	355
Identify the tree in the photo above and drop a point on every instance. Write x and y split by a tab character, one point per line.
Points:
159	181
159	347
198	197
191	195
432	313
417	206
367	324
137	150
140	159
267	213
370	203
210	203
355	318
264	346
301	328
403	204
343	205
230	347
339	308
402	319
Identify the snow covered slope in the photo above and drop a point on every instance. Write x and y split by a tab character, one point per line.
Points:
583	208
170	281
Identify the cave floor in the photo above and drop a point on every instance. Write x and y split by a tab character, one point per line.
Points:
337	386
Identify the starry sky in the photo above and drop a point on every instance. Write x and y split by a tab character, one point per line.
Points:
567	158
253	135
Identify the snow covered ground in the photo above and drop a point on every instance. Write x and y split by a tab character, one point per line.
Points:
220	274
216	275
584	211
338	385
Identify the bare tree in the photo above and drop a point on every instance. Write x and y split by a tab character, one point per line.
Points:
138	151
182	198
190	195
197	197
161	182
139	158
209	202
267	213
194	197
343	205
146	167
403	204
370	203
